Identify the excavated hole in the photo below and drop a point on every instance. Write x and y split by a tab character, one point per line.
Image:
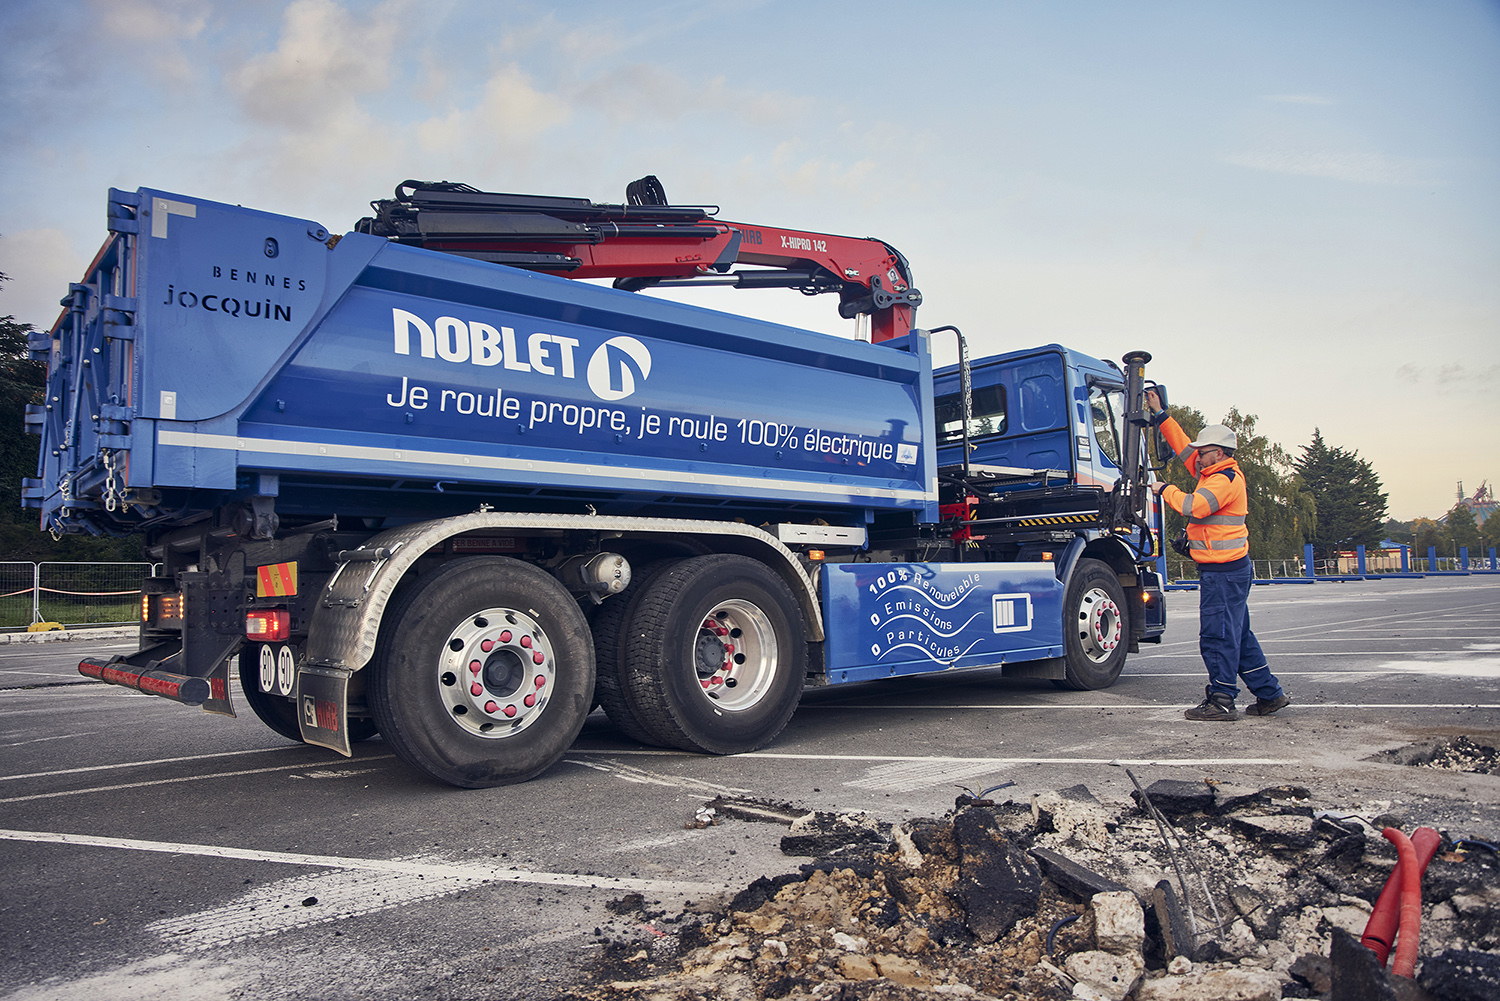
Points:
1457	754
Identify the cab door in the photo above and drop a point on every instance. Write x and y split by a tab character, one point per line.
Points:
1098	439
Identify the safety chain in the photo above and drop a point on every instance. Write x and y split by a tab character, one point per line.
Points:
111	483
65	491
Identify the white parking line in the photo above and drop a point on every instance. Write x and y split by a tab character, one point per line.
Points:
412	867
1194	762
151	761
42	740
302	902
1153	706
172	781
643	777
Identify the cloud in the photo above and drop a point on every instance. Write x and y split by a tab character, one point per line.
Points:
1450	375
645	91
510	110
158	30
1360	168
324	61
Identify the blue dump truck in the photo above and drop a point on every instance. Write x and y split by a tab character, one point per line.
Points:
418	480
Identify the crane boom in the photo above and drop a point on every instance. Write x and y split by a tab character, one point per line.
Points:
649	243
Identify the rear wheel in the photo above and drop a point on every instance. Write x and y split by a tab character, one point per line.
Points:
716	655
484	674
1095	627
610	633
268	674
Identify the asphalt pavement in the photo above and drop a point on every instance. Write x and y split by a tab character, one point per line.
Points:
152	850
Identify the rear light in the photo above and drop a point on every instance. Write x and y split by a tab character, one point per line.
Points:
162	610
268	624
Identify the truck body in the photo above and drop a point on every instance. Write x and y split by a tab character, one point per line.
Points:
438	493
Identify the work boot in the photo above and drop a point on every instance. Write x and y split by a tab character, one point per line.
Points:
1215	707
1265	707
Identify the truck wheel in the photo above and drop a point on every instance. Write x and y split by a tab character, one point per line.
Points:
1094	628
716	655
609	626
258	682
483	674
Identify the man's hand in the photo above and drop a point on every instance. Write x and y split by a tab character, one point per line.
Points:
1158	487
1153	402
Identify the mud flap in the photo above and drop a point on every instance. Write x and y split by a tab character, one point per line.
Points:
219	700
1048	668
323	707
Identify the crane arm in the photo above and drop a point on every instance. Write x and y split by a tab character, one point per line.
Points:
647	243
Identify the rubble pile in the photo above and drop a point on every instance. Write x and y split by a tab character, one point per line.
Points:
1457	754
1193	892
1463	755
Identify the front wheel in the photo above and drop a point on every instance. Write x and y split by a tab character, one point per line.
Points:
483	674
716	655
1095	628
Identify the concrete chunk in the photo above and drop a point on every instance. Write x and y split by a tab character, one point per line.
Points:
1119	922
1176	934
997	883
1174	797
1078	880
1110	976
1232	984
1462	975
1276	830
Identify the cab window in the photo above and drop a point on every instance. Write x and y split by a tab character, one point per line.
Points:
988	416
1107	406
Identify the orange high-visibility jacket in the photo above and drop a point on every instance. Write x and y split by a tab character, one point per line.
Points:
1216	509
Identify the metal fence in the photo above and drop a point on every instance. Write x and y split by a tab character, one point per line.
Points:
1374	563
1263	569
72	593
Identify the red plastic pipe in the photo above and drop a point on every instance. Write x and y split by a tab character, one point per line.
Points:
1380	931
1404	962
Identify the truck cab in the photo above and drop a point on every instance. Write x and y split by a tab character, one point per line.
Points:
1047	411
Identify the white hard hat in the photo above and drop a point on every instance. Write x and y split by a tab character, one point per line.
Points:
1216	434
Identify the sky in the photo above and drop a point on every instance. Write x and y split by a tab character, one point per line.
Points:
1293	206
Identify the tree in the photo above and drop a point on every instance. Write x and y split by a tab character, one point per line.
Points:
1346	490
1460	529
1402	533
1281	515
1427	534
21	382
1489	533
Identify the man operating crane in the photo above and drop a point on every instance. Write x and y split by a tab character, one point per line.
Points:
1219	543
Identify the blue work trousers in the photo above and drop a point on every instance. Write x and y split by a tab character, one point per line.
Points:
1229	648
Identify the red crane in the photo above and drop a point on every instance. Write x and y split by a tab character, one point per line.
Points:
649	243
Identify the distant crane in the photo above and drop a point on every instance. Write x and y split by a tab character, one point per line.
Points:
1482	504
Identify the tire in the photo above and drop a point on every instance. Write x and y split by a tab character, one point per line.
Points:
1096	628
609	626
483	673
277	711
716	655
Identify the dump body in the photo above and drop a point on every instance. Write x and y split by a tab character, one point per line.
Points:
217	351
